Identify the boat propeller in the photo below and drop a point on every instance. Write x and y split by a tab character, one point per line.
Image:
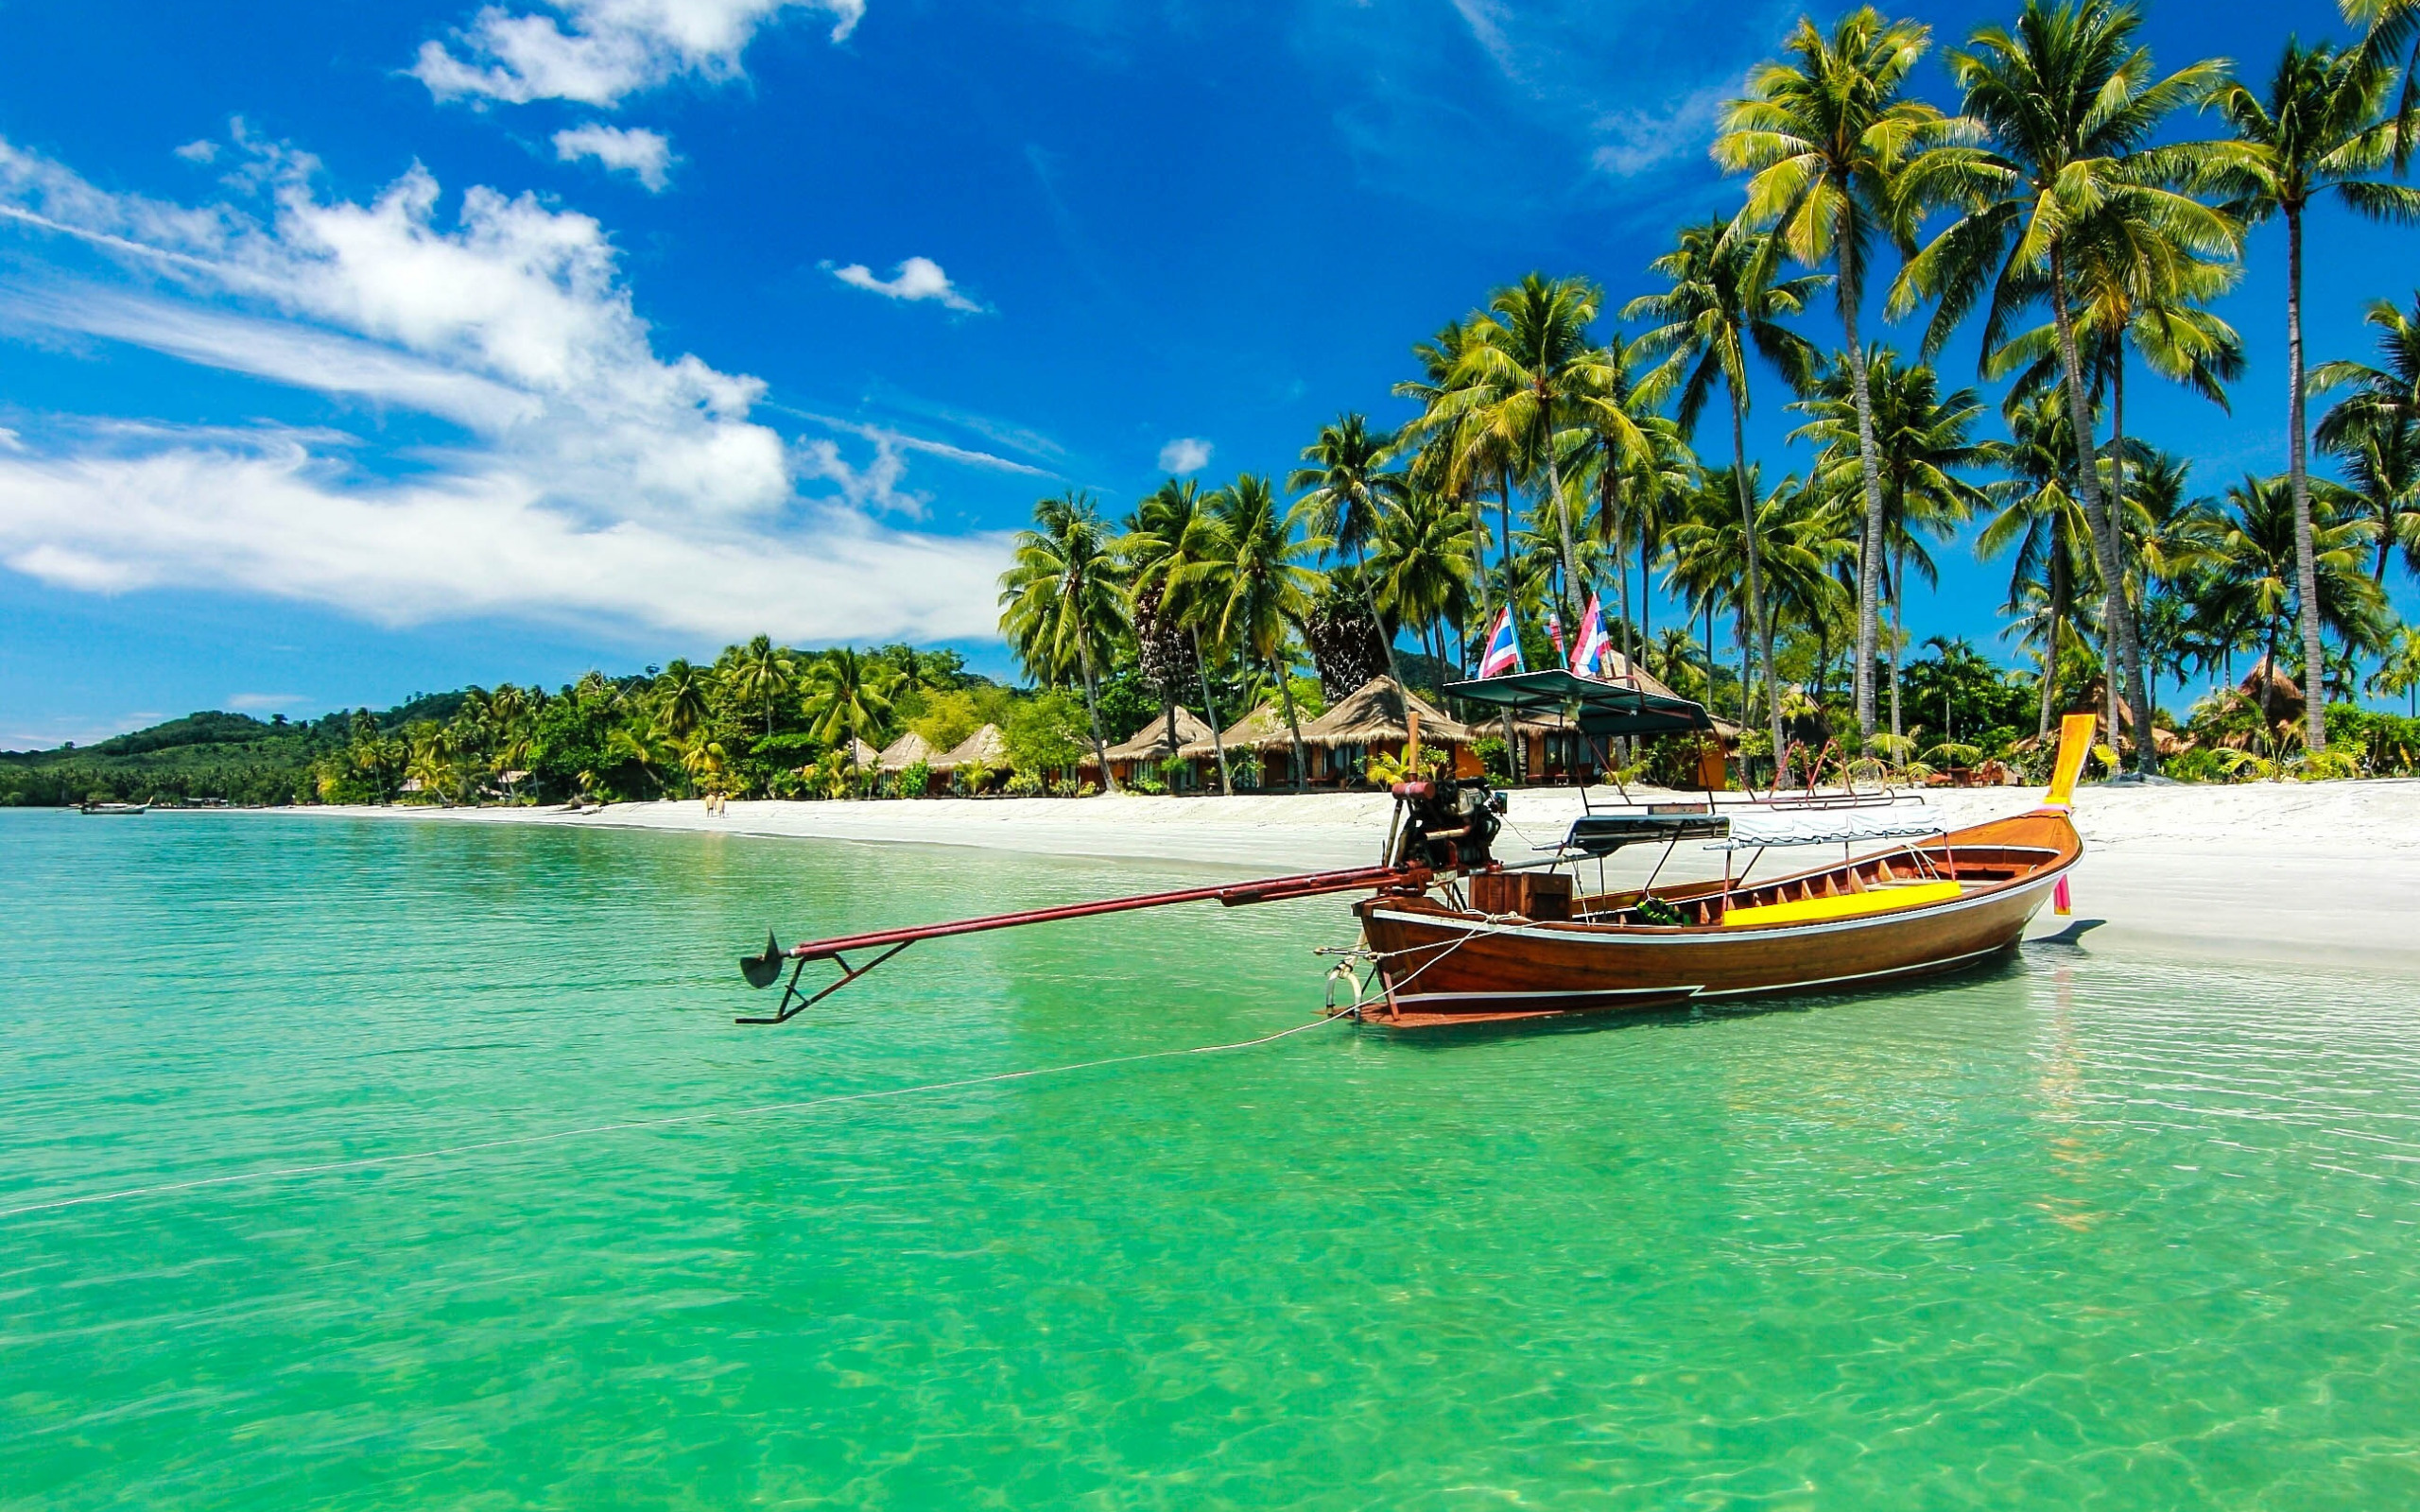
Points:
764	971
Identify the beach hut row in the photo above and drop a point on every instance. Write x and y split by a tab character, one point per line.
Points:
1337	746
986	748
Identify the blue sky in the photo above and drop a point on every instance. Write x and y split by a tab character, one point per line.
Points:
356	350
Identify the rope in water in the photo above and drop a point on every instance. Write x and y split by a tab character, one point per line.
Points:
327	1167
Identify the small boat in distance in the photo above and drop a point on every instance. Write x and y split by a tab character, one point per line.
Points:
1452	935
112	808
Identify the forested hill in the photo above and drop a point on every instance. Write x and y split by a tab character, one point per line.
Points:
209	754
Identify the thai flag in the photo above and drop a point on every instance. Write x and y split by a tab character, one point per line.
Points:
1593	641
1554	631
1503	652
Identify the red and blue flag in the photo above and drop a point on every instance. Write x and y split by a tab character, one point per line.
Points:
1503	653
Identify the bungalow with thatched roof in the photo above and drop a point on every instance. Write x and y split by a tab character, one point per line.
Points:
1372	720
1257	751
986	750
861	755
1142	753
896	758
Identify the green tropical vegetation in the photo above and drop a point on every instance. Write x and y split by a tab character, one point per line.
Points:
2044	188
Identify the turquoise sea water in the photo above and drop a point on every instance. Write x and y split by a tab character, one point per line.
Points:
2079	1232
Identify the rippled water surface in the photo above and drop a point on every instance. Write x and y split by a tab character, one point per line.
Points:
2081	1231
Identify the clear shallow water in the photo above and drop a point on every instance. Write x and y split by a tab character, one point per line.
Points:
2079	1232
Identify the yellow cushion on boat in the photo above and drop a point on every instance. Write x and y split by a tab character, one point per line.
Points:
1847	905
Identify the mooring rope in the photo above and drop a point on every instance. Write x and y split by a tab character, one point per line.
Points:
1489	924
368	1163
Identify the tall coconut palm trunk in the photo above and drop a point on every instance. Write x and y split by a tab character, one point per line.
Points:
2120	631
1369	599
1293	727
1869	571
1218	741
1756	620
2306	563
1091	713
1898	635
1571	583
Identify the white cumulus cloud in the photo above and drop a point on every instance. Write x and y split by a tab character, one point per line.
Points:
646	154
918	278
594	481
274	519
1186	453
599	51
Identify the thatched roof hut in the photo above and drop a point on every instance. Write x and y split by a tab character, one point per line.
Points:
862	755
986	747
1265	726
1620	668
1373	713
1151	743
905	752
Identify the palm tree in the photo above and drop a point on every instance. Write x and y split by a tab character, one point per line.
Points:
2035	512
2255	562
1825	136
1526	372
1809	534
637	746
704	761
1432	441
1170	531
1351	491
1253	564
1637	464
2134	285
1423	564
762	672
2400	671
1449	457
681	698
1914	442
2065	108
1721	305
848	696
2321	129
2376	429
1060	601
1707	552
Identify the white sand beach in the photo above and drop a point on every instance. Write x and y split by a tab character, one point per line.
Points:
2322	873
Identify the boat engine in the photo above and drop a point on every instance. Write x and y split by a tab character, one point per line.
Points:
1447	824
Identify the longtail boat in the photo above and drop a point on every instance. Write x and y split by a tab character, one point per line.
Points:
1453	935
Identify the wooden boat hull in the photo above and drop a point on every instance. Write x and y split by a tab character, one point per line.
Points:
1441	965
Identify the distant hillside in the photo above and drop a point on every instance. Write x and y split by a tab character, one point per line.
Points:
208	729
209	754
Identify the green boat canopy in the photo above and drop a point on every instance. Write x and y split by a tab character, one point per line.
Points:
1592	707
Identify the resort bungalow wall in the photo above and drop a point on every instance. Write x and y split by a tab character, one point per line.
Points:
1145	753
1370	721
